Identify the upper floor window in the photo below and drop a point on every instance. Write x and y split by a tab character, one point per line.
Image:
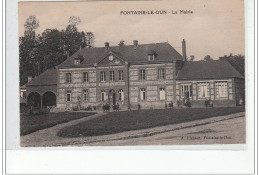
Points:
121	95
68	95
161	74
103	76
203	90
162	93
120	75
186	91
85	77
68	77
142	74
221	89
85	95
111	75
142	94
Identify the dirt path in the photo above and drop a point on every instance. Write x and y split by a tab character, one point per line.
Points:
47	137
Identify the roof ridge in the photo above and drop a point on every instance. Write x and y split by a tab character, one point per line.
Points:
126	45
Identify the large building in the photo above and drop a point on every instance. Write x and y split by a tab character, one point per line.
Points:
146	75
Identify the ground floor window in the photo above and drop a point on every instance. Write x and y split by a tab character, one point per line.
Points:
162	93
186	91
85	95
142	94
221	89
103	95
203	90
68	95
121	95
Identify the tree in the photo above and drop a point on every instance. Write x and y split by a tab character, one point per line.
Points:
90	39
31	24
50	48
207	58
121	43
74	21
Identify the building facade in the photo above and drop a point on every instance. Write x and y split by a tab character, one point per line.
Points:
146	75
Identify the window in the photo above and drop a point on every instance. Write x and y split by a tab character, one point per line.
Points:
68	77
85	77
151	57
203	90
121	95
142	94
161	74
23	95
120	74
111	75
110	57
85	95
103	76
162	93
77	61
103	95
221	89
142	74
68	96
186	91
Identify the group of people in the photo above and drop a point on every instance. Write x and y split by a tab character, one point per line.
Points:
106	107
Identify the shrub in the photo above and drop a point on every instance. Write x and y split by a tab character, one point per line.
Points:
138	106
187	102
106	107
95	108
89	108
171	104
208	103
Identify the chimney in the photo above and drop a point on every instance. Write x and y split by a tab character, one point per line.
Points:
184	50
29	78
135	42
107	45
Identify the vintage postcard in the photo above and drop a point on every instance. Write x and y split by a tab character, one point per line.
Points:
128	73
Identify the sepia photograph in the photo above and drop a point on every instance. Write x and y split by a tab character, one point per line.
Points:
134	73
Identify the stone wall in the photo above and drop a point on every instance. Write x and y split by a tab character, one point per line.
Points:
151	85
76	86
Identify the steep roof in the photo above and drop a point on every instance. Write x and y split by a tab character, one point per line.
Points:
49	77
131	54
213	69
237	63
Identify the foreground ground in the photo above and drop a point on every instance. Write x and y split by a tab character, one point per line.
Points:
230	131
32	123
215	130
117	122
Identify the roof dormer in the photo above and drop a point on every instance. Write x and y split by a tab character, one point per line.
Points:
152	55
78	60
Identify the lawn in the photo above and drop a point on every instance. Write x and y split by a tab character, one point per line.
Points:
32	123
133	120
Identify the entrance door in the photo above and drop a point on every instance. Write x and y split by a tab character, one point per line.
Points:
112	97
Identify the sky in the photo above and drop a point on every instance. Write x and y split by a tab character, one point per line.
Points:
215	28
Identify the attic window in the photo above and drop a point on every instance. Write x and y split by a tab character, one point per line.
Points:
151	57
76	61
